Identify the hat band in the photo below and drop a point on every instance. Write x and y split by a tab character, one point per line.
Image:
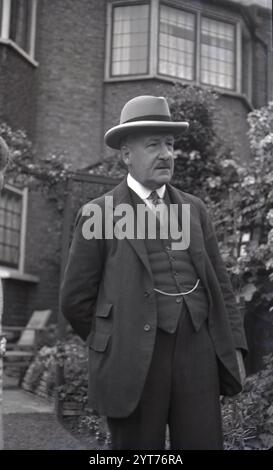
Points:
151	117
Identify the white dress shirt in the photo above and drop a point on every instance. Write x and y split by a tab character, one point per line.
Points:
144	192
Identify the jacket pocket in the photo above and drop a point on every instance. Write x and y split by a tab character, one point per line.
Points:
104	311
103	319
101	328
98	341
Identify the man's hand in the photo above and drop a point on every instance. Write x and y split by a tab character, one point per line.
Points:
241	366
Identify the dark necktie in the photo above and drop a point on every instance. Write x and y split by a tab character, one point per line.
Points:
154	198
159	209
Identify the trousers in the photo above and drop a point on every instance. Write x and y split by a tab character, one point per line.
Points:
181	391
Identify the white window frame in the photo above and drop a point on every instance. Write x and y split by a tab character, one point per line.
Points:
21	265
5	31
153	53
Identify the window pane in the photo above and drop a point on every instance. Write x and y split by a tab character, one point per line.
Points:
20	23
10	227
176	43
130	40
217	53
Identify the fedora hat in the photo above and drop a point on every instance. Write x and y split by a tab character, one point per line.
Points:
147	113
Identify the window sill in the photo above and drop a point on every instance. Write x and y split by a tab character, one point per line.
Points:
13	45
8	273
173	80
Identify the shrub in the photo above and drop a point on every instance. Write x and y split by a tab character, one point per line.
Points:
248	418
40	377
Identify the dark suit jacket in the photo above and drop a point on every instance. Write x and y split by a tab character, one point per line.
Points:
107	296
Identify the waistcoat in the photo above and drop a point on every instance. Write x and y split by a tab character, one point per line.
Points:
173	273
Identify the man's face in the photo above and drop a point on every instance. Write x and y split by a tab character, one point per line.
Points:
150	158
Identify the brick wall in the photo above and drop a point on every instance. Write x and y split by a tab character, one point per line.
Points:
70	51
17	302
43	250
17	82
262	57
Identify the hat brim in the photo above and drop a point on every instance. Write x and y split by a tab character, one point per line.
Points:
114	136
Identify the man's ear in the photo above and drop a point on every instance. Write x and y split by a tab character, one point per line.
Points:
125	154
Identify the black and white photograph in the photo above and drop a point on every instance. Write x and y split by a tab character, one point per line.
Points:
136	231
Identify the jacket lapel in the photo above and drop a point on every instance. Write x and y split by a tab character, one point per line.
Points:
122	196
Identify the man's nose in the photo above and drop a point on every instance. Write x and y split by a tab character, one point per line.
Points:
166	152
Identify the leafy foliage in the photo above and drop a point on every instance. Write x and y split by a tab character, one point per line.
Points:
248	418
26	168
111	166
238	195
70	354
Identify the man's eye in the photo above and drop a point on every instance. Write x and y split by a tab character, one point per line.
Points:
152	144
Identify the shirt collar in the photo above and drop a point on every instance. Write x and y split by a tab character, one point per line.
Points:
141	190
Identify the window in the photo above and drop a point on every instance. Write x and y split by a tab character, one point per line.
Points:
18	24
12	226
178	47
159	39
130	26
176	43
217	53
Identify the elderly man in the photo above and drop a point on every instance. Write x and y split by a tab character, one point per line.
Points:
161	323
